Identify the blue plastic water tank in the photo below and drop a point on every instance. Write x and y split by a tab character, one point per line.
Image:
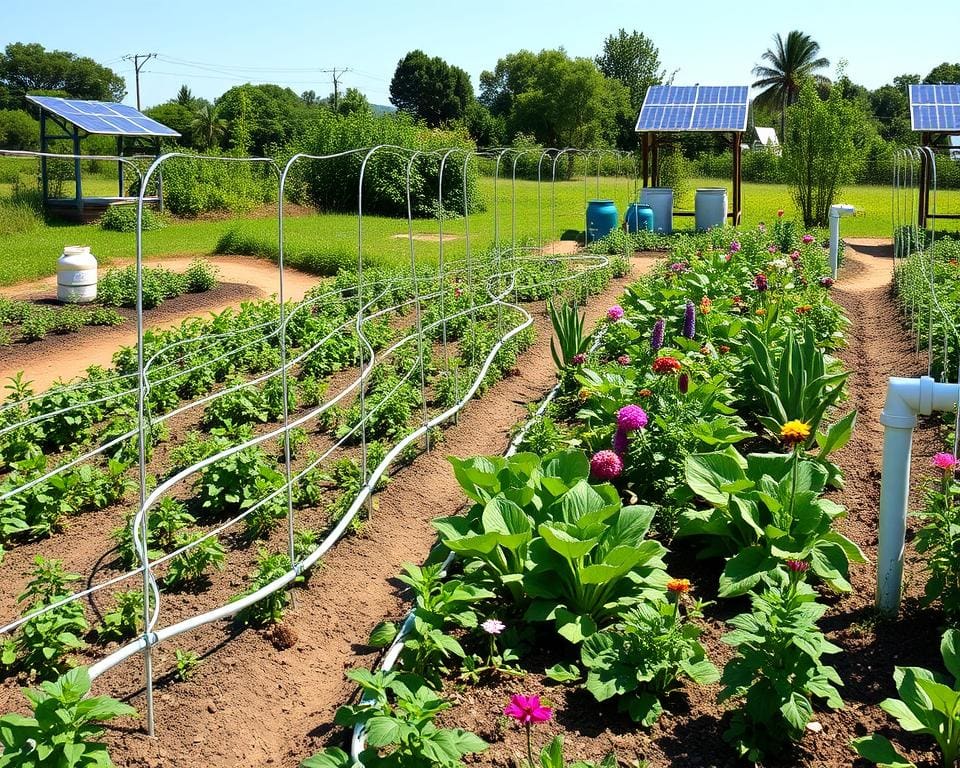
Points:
639	217
602	218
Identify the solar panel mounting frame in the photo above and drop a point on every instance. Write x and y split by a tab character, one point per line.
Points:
103	118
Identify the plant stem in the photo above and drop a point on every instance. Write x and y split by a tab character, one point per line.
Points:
529	747
793	485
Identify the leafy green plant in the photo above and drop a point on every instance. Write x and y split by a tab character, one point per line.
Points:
64	723
568	330
778	667
929	703
939	541
187	663
200	276
237	481
123	218
766	508
191	568
269	609
126	619
398	712
643	656
551	756
42	645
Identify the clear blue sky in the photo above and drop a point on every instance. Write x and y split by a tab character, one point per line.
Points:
212	45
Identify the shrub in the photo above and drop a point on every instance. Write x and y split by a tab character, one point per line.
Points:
192	187
123	218
200	276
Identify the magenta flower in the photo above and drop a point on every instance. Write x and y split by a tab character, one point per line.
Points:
945	461
689	320
624	359
679	267
621	441
826	282
807	239
797	566
527	709
493	626
631	418
734	246
795	256
615	313
772	249
683	383
606	465
578	359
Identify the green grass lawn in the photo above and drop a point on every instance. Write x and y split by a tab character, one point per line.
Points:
330	240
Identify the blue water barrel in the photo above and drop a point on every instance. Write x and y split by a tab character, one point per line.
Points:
639	217
602	218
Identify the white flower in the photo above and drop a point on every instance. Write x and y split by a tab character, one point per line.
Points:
493	626
779	264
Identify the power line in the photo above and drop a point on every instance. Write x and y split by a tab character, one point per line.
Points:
137	66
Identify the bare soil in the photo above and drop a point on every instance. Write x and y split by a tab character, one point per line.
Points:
252	704
64	357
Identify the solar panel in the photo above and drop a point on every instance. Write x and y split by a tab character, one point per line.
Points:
694	108
935	107
101	117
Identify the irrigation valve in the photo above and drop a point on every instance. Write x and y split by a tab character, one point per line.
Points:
836	211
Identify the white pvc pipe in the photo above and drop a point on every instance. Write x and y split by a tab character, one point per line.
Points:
906	398
836	211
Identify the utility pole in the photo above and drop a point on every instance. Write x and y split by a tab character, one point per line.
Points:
336	87
137	66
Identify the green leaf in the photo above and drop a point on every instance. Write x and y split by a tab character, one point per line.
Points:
950	652
382	731
573	627
744	571
383	634
564	544
563	673
708	473
837	435
878	749
331	757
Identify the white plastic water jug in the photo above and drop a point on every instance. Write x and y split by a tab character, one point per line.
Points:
76	275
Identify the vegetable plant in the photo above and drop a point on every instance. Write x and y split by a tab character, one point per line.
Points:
929	703
568	332
63	727
269	609
126	619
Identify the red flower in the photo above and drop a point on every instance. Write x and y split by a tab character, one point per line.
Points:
666	365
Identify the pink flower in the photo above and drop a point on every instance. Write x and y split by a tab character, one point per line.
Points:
493	626
606	465
734	246
807	239
527	709
945	461
615	313
826	282
795	256
457	292
772	249
578	359
631	418
797	566
624	359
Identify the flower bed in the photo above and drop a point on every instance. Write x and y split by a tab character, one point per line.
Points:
561	565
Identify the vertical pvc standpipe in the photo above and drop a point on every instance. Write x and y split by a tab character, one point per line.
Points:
443	287
836	211
285	378
906	398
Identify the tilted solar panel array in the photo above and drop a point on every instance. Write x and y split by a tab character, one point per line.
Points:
694	108
935	107
103	118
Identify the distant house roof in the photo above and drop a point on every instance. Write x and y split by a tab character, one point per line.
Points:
767	136
103	118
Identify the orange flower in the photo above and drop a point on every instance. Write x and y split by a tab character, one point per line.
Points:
665	365
704	350
645	392
583	395
678	586
761	312
723	349
803	309
705	305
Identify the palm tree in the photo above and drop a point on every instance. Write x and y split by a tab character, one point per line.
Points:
790	61
207	127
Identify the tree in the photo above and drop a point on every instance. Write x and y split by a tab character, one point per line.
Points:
273	115
823	149
208	127
353	101
892	111
943	73
309	98
430	89
557	100
789	63
633	60
18	130
30	67
184	98
175	115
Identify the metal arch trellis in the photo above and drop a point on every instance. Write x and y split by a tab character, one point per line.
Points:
153	369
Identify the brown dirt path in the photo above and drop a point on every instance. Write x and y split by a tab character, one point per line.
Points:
252	705
64	357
